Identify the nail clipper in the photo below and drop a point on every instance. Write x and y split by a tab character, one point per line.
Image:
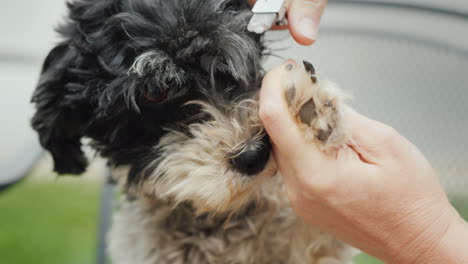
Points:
267	13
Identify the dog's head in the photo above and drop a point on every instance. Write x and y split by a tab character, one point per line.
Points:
165	88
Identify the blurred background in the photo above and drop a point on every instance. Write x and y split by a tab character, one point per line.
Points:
405	62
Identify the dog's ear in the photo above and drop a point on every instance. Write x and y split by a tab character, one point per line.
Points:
59	115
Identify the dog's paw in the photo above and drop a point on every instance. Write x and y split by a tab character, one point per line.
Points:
316	105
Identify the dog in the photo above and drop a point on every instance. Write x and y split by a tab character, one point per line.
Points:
167	91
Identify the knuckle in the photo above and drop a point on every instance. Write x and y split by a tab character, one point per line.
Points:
389	134
391	142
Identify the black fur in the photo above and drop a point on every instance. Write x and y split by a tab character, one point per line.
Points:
192	49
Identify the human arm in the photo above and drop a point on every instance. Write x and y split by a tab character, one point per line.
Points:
378	193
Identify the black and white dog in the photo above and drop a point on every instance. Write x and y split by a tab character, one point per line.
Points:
166	90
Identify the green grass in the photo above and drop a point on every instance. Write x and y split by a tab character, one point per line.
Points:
461	204
55	222
49	222
366	259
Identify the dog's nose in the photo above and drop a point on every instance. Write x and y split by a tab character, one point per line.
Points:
253	158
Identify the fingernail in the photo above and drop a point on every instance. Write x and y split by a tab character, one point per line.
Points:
308	28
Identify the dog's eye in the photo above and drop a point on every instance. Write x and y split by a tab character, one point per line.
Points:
156	98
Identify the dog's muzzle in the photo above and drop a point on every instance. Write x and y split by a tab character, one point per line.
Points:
253	157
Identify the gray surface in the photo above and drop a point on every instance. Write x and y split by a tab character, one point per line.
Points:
19	146
406	69
459	5
26	27
27	34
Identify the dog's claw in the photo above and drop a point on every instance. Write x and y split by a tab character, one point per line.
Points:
309	67
311	70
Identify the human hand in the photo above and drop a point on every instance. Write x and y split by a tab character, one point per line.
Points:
378	193
304	19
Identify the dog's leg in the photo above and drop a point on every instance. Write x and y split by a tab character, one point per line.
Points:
316	106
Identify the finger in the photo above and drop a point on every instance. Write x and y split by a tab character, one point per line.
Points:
273	109
372	140
304	19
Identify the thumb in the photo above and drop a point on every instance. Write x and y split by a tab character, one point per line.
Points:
304	19
274	113
373	140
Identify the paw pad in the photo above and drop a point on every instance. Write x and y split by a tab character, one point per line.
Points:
314	104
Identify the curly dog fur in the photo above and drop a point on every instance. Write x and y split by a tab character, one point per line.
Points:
167	90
